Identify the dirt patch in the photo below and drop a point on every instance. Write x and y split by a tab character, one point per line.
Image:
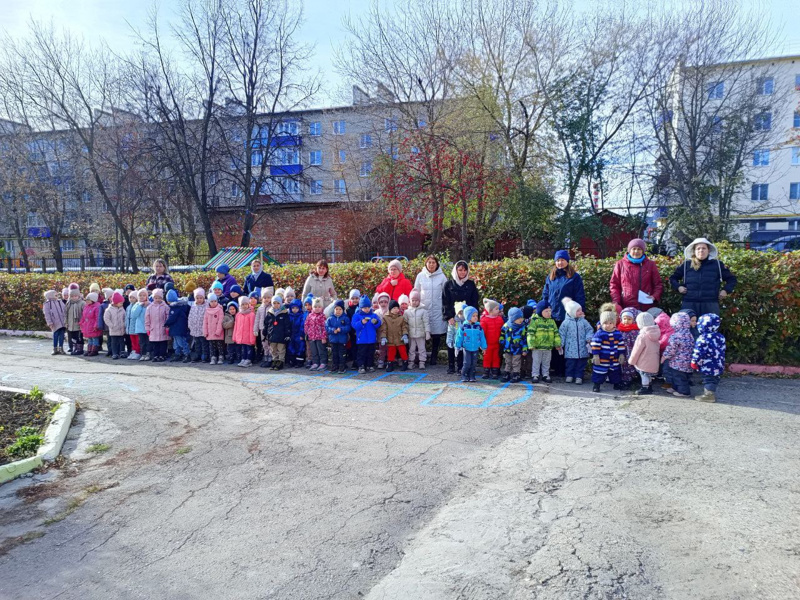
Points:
20	410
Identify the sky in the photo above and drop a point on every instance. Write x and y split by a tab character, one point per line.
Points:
322	28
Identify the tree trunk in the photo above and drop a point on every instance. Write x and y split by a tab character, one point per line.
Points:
247	224
58	257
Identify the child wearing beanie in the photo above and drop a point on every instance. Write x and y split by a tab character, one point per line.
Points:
366	325
296	350
228	323
213	330
608	352
178	326
337	327
645	353
243	334
279	331
455	358
404	301
74	312
394	336
630	331
114	319
139	329
155	319
130	325
471	339
89	324
350	309
576	335
55	315
419	329
317	335
262	344
542	337
383	299
105	302
197	312
514	344
492	323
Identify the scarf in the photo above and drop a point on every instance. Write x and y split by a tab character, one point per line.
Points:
454	273
631	327
636	261
256	273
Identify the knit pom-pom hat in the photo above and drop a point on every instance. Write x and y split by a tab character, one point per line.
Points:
489	304
74	286
316	302
608	316
571	307
365	302
514	313
172	296
309	299
645	319
117	298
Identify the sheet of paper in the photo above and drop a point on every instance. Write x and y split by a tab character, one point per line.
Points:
644	298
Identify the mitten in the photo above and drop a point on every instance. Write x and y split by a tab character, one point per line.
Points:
596	360
695	367
405	339
383	341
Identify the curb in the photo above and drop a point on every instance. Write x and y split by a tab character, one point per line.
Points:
54	437
763	369
20	333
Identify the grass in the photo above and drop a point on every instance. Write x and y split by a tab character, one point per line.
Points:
98	448
183	450
76	502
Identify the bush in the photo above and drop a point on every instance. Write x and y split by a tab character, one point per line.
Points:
761	319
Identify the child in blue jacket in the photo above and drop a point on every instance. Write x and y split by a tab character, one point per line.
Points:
178	325
576	336
296	351
366	324
337	327
471	339
709	355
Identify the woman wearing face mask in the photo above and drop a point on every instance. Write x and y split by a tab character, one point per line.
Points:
635	282
700	276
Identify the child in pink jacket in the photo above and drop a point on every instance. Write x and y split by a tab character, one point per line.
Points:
55	315
89	324
645	355
316	333
213	330
243	331
155	318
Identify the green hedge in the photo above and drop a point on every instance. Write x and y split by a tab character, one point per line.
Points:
761	320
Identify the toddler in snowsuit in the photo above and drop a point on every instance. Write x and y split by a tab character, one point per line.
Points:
89	324
645	353
279	331
677	357
232	350
470	338
630	331
576	335
366	325
155	318
394	335
197	313
514	344
243	335
114	320
74	312
258	328
455	358
491	323
709	355
608	352
337	326
296	349
178	326
419	330
543	337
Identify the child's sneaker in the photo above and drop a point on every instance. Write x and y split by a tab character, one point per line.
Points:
213	360
472	379
506	377
578	381
342	370
515	378
535	379
645	390
451	370
487	374
464	379
371	369
596	387
312	367
422	366
546	379
361	370
381	364
322	367
411	366
706	396
390	367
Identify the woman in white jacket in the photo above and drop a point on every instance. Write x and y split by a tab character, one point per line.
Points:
430	283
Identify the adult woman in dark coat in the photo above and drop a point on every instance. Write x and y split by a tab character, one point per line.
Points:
562	282
700	276
160	276
460	288
257	279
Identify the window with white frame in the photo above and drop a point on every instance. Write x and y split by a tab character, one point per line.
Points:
256	158
8	245
235	190
766	86
315	128
763	121
390	125
290	186
366	168
758	225
286	128
315	157
316	187
761	157
716	90
34	220
796	155
339	127
794	191
759	192
366	140
67	245
286	156
342	156
339	186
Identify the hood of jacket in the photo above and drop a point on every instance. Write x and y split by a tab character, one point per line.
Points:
708	323
688	252
652	333
680	321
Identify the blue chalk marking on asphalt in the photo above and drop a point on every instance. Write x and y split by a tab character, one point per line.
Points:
393	385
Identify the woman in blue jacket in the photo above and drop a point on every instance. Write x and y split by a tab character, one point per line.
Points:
562	282
700	276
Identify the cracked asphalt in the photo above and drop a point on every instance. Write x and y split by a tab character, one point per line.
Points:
247	484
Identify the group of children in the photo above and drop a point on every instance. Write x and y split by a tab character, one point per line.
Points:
281	331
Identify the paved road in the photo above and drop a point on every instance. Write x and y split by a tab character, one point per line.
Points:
234	483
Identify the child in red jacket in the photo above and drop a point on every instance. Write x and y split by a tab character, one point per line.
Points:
492	323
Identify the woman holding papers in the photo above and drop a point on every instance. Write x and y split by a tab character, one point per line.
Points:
635	282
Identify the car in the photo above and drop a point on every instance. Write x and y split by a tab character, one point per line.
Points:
786	243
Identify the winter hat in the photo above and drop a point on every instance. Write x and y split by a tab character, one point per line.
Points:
514	313
645	319
631	312
74	286
403	300
468	312
687	311
394	304
365	302
169	286
117	298
277	298
415	294
637	243
572	307
289	291
489	304
94	287
608	316
129	287
655	311
381	295
309	299
133	296
224	269
92	296
244	302
233	304
172	296
562	254
459	307
65	291
107	293
253	294
50	295
265	293
541	306
354	294
212	297
339	304
159	292
217	286
527	311
237	289
395	263
316	302
280	291
200	292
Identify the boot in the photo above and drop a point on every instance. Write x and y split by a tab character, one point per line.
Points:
596	387
390	367
506	377
404	367
645	390
451	368
280	365
496	374
706	396
54	352
487	374
515	378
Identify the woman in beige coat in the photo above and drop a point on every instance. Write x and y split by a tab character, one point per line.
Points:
320	285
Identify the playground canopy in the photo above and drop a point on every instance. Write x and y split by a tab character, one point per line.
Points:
237	257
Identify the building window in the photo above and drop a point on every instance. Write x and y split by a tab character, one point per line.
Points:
256	158
761	158
366	168
86	197
796	122
235	191
390	125
342	156
366	140
340	186
758	225
290	186
759	191
67	245
212	178
286	128
797	82
315	128
9	246
716	90
796	155
316	187
315	157
339	127
794	193
763	121
766	86
715	124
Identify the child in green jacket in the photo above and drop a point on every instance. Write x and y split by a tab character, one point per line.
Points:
543	337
